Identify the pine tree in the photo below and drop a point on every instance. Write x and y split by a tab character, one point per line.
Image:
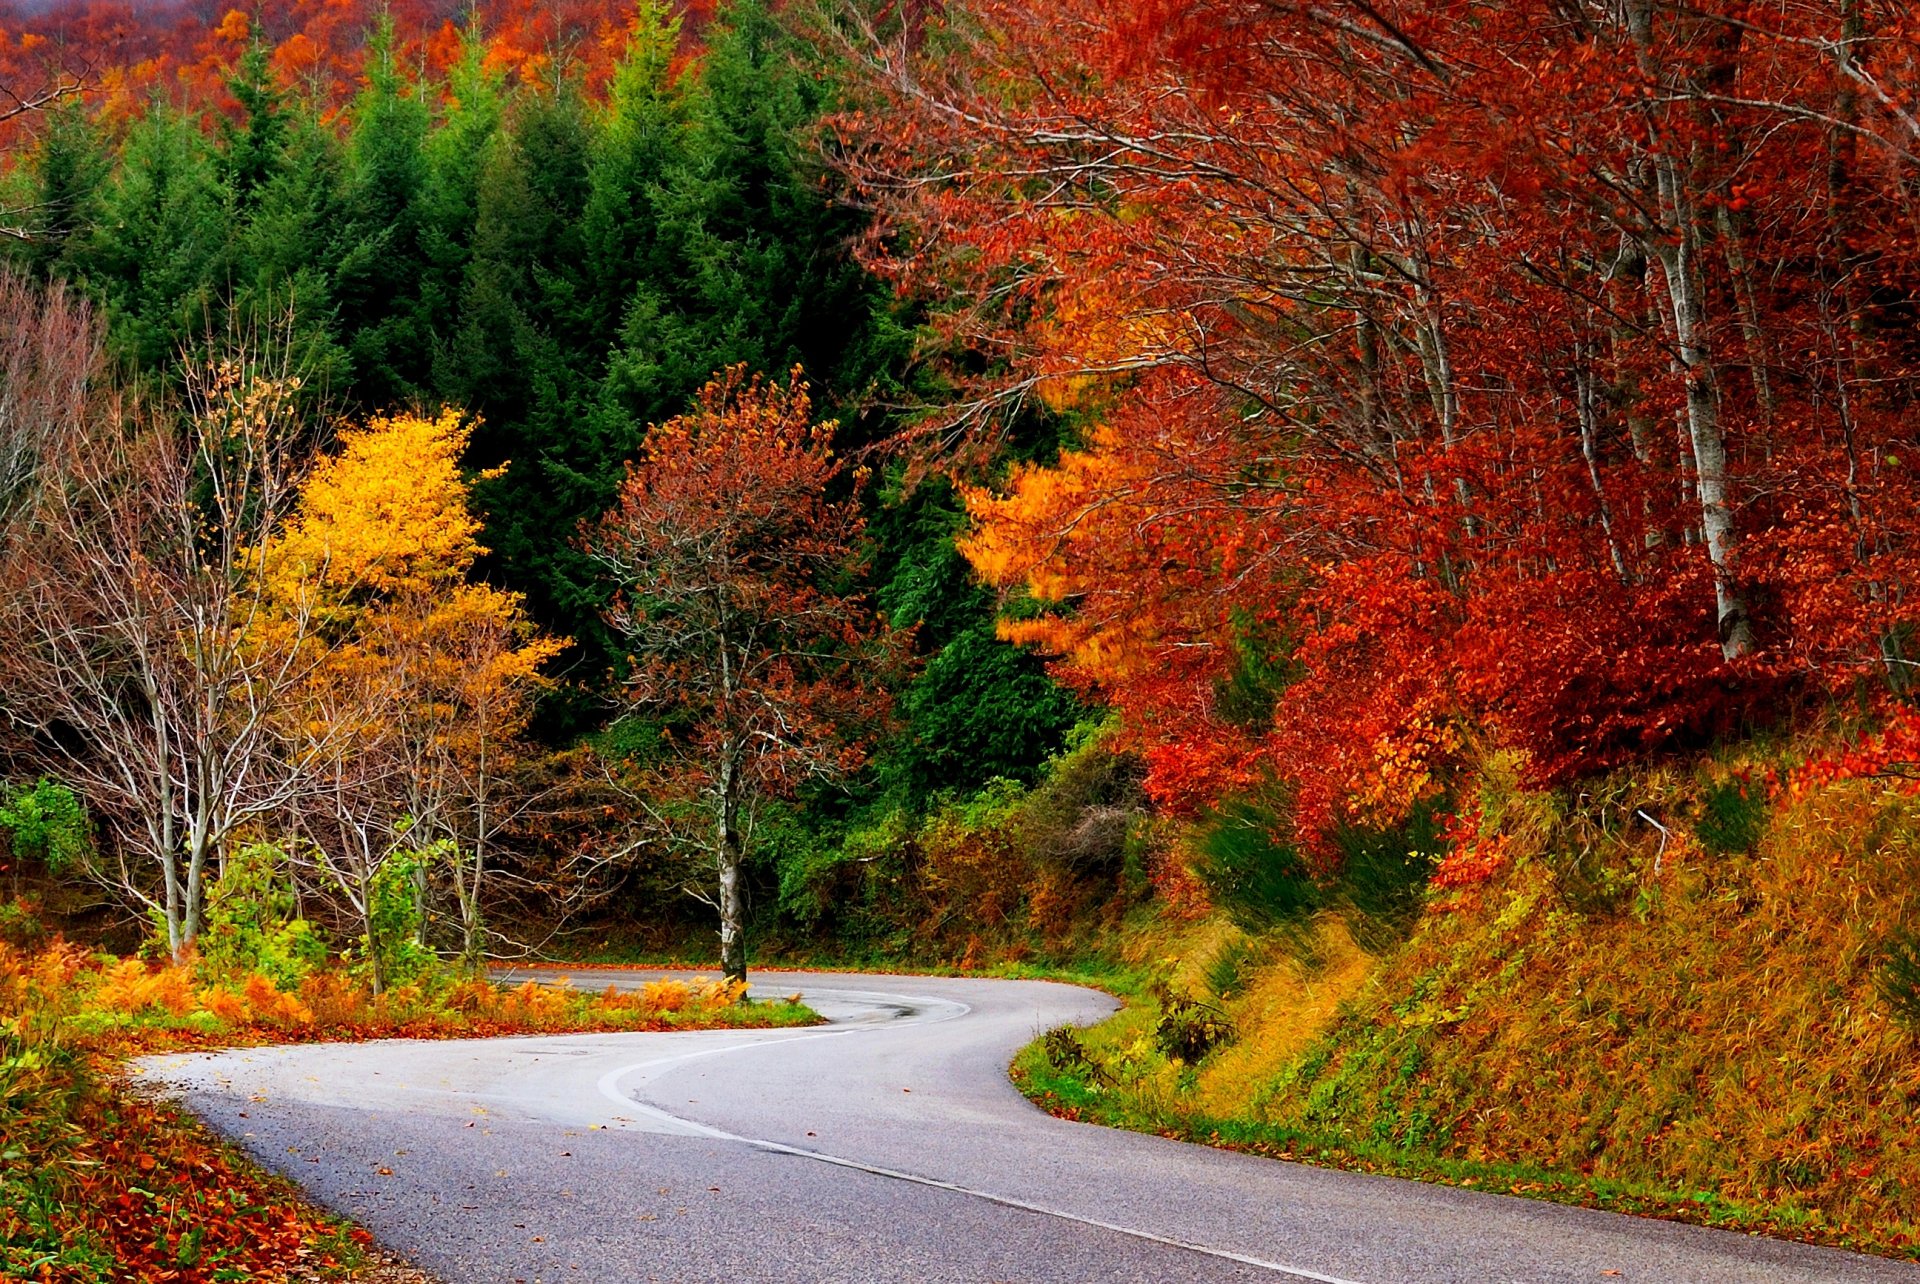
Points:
457	152
284	256
68	173
377	286
158	254
253	149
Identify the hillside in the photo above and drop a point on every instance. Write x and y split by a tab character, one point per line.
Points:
1719	1027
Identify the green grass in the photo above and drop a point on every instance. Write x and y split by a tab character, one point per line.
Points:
1089	1093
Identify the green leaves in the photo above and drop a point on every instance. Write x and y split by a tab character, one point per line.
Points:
46	822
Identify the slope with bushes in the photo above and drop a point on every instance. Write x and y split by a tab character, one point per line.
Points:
1673	991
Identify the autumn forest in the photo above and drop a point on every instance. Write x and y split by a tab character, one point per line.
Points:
1371	524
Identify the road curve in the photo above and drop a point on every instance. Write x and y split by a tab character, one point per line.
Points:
887	1145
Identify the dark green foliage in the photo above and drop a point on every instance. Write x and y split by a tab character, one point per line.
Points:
253	151
284	249
1733	816
69	171
160	245
1260	881
1384	872
979	708
381	266
1899	976
46	823
1188	1029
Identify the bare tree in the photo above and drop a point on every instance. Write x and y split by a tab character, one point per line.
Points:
136	651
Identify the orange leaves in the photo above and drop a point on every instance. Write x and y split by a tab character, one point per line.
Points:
1359	337
130	987
235	28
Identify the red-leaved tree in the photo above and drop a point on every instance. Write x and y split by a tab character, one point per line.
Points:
732	550
1544	369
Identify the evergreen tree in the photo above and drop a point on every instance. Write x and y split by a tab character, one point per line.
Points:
524	360
457	153
377	284
253	149
979	707
284	257
67	175
642	147
158	255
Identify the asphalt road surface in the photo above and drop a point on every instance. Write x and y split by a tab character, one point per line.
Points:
885	1146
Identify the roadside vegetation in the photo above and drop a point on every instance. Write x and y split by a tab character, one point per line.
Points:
101	1185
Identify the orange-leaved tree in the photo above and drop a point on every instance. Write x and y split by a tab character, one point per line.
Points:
1565	404
732	538
431	673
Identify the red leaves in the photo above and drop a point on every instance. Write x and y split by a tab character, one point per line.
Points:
731	547
1501	366
153	1192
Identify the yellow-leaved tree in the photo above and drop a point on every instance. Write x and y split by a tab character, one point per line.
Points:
430	673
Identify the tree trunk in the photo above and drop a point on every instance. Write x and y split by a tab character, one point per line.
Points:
1676	247
1705	438
733	953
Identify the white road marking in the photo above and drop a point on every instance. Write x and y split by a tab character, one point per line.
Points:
609	1088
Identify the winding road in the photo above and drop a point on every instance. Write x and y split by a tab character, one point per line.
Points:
887	1145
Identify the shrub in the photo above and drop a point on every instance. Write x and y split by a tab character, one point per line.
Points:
391	951
130	987
20	926
252	925
1733	816
44	821
1188	1029
665	996
1259	879
1898	978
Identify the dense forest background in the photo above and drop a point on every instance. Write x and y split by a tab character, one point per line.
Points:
564	245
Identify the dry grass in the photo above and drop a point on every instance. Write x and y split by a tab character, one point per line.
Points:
1617	1018
1285	1006
1712	1027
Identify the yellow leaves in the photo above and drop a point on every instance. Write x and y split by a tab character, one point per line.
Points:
386	513
371	577
1402	770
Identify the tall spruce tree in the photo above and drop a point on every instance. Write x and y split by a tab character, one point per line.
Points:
158	254
66	176
381	266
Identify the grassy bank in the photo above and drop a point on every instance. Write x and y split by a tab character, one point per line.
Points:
1677	994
